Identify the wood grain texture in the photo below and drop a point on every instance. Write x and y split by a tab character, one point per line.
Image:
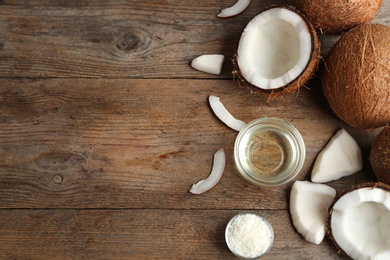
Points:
122	38
140	234
104	127
125	143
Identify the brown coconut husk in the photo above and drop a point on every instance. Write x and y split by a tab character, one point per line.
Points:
335	17
372	185
380	156
298	82
356	76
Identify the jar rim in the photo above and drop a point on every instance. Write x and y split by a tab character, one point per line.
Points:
296	144
259	216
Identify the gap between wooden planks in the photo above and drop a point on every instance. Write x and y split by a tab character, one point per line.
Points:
89	143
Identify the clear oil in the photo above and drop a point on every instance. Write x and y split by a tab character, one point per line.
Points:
268	152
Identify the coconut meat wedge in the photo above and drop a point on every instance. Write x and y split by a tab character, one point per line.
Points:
277	47
341	157
360	222
309	203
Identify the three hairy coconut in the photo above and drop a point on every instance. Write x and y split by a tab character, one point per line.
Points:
278	52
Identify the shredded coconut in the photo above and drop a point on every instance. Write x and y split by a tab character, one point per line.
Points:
249	235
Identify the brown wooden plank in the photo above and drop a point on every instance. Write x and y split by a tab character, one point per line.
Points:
137	39
123	143
104	127
140	234
112	39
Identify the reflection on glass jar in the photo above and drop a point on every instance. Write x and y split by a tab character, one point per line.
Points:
269	151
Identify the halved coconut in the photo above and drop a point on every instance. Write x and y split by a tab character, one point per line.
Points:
278	51
359	222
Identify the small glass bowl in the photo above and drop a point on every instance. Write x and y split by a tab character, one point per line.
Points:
269	152
231	247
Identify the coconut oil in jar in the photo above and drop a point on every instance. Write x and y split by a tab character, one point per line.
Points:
269	151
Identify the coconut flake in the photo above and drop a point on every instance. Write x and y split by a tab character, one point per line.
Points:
209	63
215	175
249	235
340	157
235	9
309	203
224	115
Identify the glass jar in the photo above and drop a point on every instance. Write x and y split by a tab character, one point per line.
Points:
269	151
249	235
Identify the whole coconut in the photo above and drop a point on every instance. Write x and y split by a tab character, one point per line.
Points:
333	17
380	155
356	76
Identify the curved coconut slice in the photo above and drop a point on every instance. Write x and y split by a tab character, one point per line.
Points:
278	50
209	63
234	10
340	157
359	222
224	115
215	175
309	203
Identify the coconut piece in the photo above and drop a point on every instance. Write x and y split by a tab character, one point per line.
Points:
359	222
235	9
209	63
309	203
224	115
380	155
333	17
277	53
215	175
356	77
341	157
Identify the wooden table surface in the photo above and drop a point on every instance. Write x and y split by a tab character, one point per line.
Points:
104	127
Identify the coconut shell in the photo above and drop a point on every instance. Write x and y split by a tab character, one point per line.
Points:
380	156
334	17
357	74
372	185
298	82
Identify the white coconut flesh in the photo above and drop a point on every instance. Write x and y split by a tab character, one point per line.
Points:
360	223
309	203
204	185
234	10
341	157
224	115
209	63
274	48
